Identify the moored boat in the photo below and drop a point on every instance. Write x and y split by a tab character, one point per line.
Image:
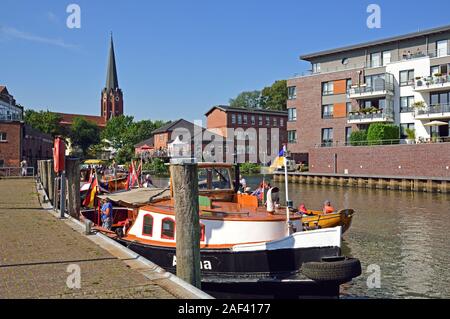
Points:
317	219
238	239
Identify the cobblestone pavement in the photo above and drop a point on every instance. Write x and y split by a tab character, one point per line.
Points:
36	250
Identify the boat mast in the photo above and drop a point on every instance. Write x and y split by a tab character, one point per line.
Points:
288	222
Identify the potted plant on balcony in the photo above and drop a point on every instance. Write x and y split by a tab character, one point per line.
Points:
410	136
418	105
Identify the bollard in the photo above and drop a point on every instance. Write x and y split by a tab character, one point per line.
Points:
185	190
73	187
51	179
88	227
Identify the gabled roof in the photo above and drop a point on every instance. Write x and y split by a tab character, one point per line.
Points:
67	119
181	123
3	90
148	142
227	108
408	36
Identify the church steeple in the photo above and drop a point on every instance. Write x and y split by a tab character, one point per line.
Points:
111	77
112	97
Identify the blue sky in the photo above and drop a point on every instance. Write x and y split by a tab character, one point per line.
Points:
176	59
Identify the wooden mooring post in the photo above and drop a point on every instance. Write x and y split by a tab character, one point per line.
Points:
185	190
51	179
73	186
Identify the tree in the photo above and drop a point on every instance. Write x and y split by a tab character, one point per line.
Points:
247	99
274	97
84	134
44	121
116	131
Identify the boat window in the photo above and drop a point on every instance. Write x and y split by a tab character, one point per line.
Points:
168	228
214	178
202	232
147	228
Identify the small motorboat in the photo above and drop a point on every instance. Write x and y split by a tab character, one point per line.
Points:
318	220
239	239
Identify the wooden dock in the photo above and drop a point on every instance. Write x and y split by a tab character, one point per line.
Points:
400	183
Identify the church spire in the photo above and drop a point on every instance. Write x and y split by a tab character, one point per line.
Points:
111	77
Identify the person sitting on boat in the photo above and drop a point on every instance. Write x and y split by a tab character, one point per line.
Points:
107	214
148	181
302	209
248	191
327	208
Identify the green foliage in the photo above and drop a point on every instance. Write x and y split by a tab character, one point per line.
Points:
156	167
44	121
84	134
123	133
410	133
358	138
249	168
247	99
379	133
274	97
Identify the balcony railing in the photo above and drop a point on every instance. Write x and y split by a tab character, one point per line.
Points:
439	53
434	109
10	117
420	140
369	117
327	115
432	82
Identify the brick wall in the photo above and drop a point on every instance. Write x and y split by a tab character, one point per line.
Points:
308	103
11	148
36	146
420	160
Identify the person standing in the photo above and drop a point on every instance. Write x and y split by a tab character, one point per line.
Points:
23	166
107	214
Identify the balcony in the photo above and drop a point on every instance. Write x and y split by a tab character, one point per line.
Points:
379	88
10	117
432	83
435	111
370	116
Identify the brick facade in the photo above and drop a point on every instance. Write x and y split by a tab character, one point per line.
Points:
10	150
420	160
309	123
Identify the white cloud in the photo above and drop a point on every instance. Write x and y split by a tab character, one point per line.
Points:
14	33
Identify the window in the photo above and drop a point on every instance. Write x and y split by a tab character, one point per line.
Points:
245	119
442	48
275	122
292	93
2	163
349	85
233	118
439	69
282	122
292	114
253	120
375	59
376	82
168	228
292	136
327	136
386	57
403	128
327	88
239	118
348	133
406	103
348	107
316	68
439	98
3	137
260	120
147	228
267	121
327	111
406	77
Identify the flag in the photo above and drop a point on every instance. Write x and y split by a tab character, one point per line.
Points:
282	151
89	200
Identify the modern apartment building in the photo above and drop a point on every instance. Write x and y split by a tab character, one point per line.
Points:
376	82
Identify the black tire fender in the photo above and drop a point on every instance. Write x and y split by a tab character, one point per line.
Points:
335	270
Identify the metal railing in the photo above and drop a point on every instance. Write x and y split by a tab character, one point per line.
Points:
431	80
10	117
379	115
439	53
17	171
388	87
402	141
434	109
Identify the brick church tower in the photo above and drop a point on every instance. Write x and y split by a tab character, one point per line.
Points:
112	97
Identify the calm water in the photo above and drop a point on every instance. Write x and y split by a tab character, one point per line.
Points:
406	234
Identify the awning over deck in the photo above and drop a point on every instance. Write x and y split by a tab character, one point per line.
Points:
137	197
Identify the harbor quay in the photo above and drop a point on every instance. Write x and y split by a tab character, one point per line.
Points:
41	256
399	183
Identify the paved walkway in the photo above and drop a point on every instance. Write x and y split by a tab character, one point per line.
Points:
36	249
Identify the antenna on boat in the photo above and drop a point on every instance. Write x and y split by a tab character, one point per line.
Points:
288	202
